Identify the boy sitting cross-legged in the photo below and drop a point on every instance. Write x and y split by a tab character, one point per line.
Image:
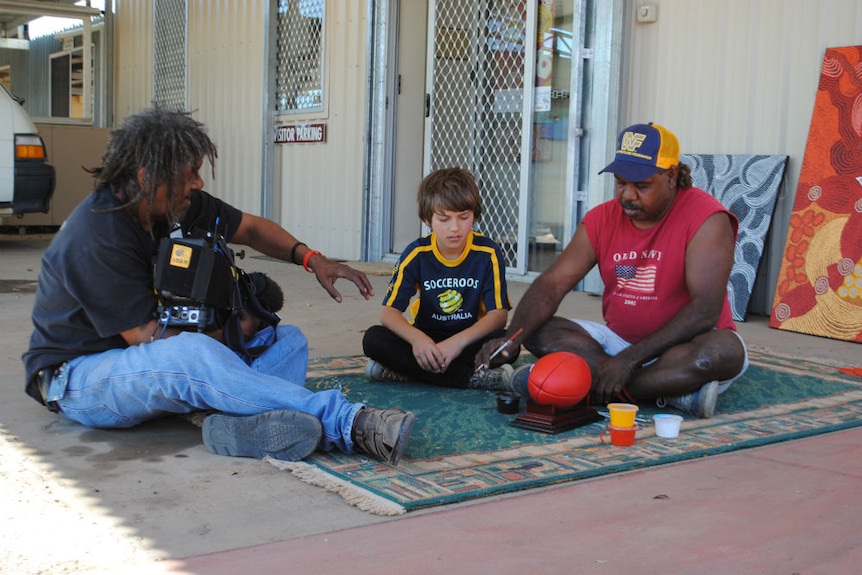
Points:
459	276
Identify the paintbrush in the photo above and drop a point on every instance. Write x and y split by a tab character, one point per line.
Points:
499	350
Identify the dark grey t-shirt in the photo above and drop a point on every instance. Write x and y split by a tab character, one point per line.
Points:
96	279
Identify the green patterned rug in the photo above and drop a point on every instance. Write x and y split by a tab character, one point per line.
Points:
461	448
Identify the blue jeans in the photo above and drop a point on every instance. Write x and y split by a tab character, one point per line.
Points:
193	372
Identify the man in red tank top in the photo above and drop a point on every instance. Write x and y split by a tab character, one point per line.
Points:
664	250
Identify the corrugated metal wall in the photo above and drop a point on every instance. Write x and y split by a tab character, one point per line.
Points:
731	76
320	186
22	73
226	80
738	76
133	57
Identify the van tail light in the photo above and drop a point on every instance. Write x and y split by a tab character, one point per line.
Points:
29	147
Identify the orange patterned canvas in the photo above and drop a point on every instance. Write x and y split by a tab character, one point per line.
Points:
819	289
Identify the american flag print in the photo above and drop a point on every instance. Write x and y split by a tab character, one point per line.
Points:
634	278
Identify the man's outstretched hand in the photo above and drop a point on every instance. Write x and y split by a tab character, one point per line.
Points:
327	271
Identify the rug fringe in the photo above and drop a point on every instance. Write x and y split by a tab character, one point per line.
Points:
356	496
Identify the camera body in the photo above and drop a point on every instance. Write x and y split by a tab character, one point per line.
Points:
201	317
195	279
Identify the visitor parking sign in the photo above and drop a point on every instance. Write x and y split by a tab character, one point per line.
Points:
300	134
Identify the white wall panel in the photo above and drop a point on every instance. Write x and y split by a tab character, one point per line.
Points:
225	83
738	76
321	185
226	80
133	57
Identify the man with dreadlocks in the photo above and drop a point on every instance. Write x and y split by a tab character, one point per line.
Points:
98	354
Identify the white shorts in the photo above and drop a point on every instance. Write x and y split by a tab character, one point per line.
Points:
613	344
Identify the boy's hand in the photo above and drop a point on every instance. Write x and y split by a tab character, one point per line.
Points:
429	356
450	348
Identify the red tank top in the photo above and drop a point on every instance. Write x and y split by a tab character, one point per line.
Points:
644	270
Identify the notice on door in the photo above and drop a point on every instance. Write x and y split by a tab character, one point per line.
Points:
300	134
546	40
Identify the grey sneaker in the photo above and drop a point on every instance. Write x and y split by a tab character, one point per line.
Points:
496	379
383	433
282	434
701	403
376	371
520	379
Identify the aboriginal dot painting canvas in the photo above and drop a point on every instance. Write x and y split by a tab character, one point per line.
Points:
819	289
747	185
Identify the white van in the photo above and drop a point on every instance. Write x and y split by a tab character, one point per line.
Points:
26	179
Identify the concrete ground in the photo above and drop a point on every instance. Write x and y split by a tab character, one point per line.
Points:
154	500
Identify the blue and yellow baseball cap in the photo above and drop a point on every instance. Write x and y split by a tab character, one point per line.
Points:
643	150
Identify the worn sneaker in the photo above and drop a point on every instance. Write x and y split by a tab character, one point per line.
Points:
520	379
701	403
496	379
383	433
282	434
376	371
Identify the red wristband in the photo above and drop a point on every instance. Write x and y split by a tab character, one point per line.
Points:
305	259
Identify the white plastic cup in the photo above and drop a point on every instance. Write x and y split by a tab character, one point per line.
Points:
667	425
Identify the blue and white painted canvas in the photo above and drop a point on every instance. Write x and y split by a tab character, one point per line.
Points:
748	186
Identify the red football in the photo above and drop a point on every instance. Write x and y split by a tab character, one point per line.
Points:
561	379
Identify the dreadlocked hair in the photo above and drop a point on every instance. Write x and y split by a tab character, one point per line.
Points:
161	142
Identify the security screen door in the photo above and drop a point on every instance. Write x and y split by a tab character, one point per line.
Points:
509	88
475	106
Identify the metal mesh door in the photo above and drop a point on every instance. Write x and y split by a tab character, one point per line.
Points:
475	106
300	56
169	53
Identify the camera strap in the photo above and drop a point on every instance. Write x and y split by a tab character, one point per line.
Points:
244	297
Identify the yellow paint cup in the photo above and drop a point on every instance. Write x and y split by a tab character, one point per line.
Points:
622	414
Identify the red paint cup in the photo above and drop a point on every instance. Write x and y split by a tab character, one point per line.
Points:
621	436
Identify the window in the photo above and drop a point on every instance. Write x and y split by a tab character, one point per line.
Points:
55	63
299	48
67	80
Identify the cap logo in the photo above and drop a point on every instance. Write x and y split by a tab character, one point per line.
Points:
631	141
643	150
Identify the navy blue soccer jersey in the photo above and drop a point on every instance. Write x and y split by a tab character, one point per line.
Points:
453	294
